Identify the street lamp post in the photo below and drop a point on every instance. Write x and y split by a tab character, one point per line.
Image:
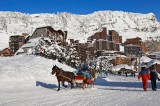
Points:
139	66
131	55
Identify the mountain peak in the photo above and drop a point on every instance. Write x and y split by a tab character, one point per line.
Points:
128	25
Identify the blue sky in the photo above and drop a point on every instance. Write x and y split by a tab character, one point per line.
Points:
81	6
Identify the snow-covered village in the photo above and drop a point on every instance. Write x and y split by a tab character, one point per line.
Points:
104	58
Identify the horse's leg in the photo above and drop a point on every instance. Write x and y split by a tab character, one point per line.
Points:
93	83
58	86
83	85
71	84
64	84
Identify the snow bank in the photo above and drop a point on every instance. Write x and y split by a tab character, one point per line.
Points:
23	70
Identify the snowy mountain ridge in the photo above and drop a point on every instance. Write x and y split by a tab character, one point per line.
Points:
128	25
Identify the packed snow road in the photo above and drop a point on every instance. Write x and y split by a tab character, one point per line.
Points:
118	92
28	82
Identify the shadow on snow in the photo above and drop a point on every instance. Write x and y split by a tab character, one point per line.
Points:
123	86
108	85
45	85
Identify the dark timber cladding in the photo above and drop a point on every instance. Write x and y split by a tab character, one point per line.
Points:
48	31
15	42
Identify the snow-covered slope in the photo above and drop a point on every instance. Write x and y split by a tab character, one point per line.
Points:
81	26
22	70
27	81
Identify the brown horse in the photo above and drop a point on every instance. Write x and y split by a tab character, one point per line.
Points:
63	76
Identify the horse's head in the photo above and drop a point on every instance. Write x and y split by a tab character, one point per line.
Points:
54	69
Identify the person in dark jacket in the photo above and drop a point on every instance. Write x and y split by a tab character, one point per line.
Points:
92	72
153	77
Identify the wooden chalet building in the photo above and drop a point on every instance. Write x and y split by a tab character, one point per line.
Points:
47	31
121	60
114	36
132	50
136	41
157	67
99	35
102	42
5	52
16	41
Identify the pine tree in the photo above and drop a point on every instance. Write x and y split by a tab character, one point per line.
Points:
52	50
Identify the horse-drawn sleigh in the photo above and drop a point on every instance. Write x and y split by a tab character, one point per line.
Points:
74	80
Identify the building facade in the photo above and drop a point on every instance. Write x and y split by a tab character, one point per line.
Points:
121	60
48	31
132	50
104	45
16	41
99	35
114	36
5	52
137	41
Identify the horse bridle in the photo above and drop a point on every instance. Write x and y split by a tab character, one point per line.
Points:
59	74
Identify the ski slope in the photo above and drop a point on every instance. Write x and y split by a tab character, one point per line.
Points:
27	81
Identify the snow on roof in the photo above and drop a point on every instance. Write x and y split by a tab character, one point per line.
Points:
145	59
111	51
152	62
121	56
21	50
118	67
32	43
155	53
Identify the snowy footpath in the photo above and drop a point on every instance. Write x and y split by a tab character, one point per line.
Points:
27	81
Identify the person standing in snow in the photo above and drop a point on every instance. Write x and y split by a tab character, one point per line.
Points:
92	73
144	74
86	79
36	51
40	51
93	76
88	76
126	73
153	77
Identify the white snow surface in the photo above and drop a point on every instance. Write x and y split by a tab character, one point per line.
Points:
27	81
80	27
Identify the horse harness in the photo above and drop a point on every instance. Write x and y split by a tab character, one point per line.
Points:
60	74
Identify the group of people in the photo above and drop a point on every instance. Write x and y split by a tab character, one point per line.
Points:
89	76
148	74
